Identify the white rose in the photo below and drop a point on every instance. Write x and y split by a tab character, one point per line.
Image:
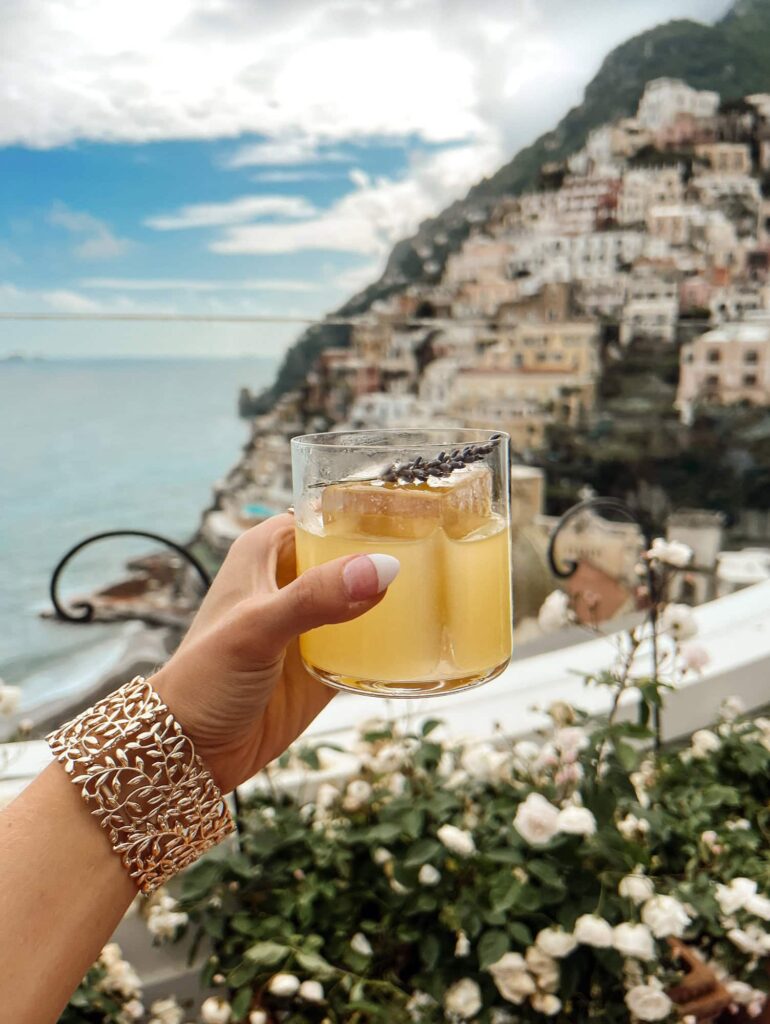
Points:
695	657
632	827
257	1017
164	924
577	821
463	999
525	751
9	698
555	942
739	825
111	954
418	1002
483	762
166	1011
134	1010
592	930
215	1011
734	897
545	969
571	739
634	940
637	888
554	612
647	1002
284	985
740	992
397	783
462	945
671	552
123	979
759	906
537	820
665	916
390	757
679	621
456	840
732	708
703	743
311	991
326	796
381	856
546	1003
357	795
361	945
749	941
428	875
539	962
512	979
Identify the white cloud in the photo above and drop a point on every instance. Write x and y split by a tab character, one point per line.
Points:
305	174
376	214
299	150
161	284
234	211
97	240
355	278
320	70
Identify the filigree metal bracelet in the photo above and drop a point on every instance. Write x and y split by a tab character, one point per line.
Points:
140	776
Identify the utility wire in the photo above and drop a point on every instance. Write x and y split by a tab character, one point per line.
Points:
333	321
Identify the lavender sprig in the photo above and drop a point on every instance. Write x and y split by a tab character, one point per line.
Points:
445	463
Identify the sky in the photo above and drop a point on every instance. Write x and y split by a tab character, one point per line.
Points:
246	157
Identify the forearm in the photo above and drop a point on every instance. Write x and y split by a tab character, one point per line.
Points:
62	893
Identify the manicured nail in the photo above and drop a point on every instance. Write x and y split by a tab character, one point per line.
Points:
367	575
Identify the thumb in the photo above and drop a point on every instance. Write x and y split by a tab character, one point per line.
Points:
333	592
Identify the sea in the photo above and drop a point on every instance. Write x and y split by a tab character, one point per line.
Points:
93	445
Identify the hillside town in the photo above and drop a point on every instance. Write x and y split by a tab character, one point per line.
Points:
655	235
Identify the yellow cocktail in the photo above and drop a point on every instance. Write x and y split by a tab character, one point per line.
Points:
445	623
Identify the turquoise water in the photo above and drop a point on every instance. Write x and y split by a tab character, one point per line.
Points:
90	445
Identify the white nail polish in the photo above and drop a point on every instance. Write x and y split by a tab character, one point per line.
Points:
386	567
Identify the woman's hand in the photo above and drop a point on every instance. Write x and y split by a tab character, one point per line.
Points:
237	685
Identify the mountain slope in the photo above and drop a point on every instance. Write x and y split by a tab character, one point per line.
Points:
731	57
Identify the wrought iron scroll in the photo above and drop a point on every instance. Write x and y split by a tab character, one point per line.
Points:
86	608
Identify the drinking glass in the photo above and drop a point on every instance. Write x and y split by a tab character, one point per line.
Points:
438	500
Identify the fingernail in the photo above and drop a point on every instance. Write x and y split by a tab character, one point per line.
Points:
368	575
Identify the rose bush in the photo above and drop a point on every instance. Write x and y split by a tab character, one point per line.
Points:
497	883
521	897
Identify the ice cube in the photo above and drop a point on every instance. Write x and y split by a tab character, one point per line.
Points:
460	503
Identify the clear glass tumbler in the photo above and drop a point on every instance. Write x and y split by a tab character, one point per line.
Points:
438	500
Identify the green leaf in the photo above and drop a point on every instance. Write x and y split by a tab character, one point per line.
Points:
520	933
385	832
506	855
413	822
492	945
421	851
546	872
202	879
430	950
241	1003
627	756
430	725
242	974
267	954
315	964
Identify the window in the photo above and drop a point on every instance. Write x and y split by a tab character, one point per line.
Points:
714	356
752	357
749	380
712	381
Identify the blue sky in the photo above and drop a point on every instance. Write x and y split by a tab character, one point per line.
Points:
253	158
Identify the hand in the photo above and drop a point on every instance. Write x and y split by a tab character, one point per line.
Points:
237	685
